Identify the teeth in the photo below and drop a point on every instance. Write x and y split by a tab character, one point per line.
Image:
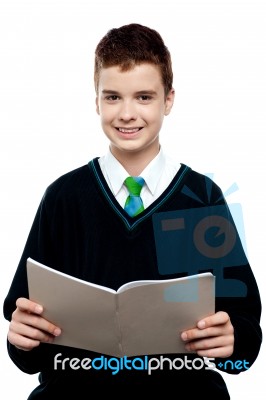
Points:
133	130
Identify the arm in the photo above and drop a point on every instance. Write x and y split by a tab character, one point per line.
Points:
22	327
234	331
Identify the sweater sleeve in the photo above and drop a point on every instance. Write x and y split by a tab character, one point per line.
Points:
245	314
38	246
243	306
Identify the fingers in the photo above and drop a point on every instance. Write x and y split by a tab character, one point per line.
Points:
203	345
22	318
213	336
26	338
28	328
217	352
218	318
196	333
215	325
29	306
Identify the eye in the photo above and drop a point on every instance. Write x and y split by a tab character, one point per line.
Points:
112	98
144	98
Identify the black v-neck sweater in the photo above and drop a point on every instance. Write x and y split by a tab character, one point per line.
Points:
81	230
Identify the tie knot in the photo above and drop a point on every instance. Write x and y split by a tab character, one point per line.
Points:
134	185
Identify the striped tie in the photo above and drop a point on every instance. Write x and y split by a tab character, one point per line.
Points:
134	204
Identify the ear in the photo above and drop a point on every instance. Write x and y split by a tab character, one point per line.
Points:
169	101
97	105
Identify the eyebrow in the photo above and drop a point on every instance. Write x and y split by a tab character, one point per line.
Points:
109	92
143	92
150	92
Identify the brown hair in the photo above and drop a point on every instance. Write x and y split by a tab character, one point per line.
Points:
132	45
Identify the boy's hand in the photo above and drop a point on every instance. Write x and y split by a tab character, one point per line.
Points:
28	328
213	336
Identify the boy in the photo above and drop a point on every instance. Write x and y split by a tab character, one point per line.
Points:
88	225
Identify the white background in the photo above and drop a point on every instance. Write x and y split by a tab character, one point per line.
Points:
48	123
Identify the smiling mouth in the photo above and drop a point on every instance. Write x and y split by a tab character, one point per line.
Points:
129	130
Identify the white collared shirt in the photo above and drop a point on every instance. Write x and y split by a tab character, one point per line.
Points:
157	175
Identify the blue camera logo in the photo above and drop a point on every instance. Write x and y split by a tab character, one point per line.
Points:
201	239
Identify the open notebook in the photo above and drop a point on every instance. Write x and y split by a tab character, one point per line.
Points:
140	318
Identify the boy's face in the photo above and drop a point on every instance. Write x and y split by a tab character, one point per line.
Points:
132	106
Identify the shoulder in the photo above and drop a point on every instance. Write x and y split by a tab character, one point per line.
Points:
202	186
71	182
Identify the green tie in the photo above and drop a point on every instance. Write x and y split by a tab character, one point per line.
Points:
134	204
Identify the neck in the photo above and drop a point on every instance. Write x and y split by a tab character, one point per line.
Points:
135	163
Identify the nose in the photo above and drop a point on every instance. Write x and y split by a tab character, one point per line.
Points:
127	111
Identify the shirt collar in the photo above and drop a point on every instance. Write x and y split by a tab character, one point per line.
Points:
117	173
152	173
